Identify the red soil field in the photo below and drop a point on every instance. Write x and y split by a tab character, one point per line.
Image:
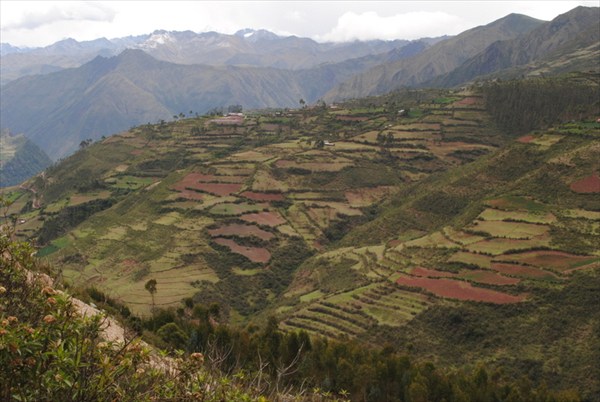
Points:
220	189
521	271
459	290
557	260
484	276
254	254
137	152
189	181
479	275
252	195
242	231
431	273
264	218
526	139
590	184
191	195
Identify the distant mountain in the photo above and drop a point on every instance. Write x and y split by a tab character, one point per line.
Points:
107	95
439	59
259	48
7	48
573	37
20	159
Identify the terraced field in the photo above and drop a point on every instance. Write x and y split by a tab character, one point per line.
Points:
222	200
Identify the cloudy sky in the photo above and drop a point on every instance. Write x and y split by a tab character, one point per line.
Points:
32	23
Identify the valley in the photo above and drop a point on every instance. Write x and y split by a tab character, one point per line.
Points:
282	219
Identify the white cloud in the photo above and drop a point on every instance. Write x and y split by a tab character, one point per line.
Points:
411	25
76	11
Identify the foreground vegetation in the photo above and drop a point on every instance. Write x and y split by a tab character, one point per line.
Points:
50	352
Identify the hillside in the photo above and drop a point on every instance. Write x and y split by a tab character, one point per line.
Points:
108	95
424	219
439	59
20	159
55	347
510	47
568	43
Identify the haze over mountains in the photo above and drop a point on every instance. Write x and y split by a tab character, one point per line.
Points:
96	88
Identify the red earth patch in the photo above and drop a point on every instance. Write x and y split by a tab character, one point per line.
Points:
587	185
264	218
459	290
521	271
488	277
254	254
220	189
526	139
551	259
468	101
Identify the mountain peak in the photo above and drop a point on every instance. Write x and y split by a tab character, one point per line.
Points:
254	35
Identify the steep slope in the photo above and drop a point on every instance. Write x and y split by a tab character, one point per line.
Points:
441	58
496	260
570	42
462	243
20	159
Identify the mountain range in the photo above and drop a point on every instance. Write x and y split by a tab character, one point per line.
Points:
158	76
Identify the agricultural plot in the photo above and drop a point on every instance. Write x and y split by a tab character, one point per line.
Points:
510	230
254	254
498	246
587	185
240	230
552	260
459	290
516	203
268	218
491	214
521	271
257	196
436	240
236	209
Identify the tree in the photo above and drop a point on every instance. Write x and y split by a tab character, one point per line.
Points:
151	288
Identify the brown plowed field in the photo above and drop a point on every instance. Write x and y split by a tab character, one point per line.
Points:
555	260
526	139
254	254
590	184
459	290
220	189
488	277
521	271
264	218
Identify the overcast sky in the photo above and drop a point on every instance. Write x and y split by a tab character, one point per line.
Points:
33	23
